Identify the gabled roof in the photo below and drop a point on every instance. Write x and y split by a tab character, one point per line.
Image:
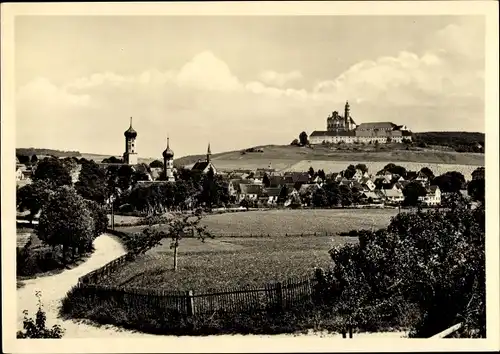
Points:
200	166
293	177
432	189
323	133
393	193
251	188
272	192
376	125
372	195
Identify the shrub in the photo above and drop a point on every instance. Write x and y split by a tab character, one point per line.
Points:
36	327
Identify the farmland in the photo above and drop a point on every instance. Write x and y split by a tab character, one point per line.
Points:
227	261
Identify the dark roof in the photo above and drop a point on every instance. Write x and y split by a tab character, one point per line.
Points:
293	177
332	133
276	181
432	189
200	166
251	189
376	125
272	192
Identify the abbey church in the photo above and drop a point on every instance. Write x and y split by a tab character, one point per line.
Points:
343	129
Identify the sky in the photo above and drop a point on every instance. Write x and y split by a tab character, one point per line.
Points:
237	82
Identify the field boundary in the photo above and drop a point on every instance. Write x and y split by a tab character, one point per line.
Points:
275	295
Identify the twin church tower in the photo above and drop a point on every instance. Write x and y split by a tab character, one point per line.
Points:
130	155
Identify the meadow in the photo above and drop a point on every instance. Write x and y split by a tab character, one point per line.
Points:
233	258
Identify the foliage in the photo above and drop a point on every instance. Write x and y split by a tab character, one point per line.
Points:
450	182
99	216
362	167
33	197
395	169
37	151
156	164
112	159
295	142
303	139
430	261
175	231
349	172
36	327
66	221
53	171
460	141
428	172
91	182
412	191
266	181
124	177
475	189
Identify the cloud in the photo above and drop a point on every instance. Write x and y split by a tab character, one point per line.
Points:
204	101
273	78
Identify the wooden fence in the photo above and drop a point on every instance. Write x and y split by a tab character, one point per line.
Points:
276	296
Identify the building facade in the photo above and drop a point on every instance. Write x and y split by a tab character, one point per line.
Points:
343	129
168	163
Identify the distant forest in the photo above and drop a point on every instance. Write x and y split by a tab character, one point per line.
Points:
37	151
459	141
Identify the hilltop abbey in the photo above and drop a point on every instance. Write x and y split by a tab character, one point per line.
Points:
343	129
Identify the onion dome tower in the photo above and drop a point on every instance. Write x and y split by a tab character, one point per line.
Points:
130	156
168	163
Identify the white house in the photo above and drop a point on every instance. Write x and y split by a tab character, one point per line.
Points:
249	191
368	184
432	198
393	195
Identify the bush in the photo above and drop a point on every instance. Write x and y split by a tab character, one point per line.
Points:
36	327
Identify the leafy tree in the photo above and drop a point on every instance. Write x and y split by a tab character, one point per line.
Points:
99	216
245	203
266	181
36	327
125	177
412	192
53	171
156	164
320	198
33	197
112	159
303	139
23	159
65	220
283	194
311	172
210	193
34	159
346	196
175	231
91	182
295	142
362	167
450	182
430	265
332	193
322	175
475	189
428	172
395	169
349	172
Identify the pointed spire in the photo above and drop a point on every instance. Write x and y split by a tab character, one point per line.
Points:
208	153
168	142
130	122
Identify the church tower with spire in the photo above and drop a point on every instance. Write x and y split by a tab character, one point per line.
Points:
209	153
130	156
168	163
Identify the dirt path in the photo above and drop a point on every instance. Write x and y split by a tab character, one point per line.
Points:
55	287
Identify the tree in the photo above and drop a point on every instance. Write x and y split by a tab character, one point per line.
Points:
65	220
99	216
125	177
266	181
450	182
412	192
362	167
283	194
53	171
311	172
320	199
332	193
112	159
395	169
91	182
429	264
349	172
36	327
156	164
33	197
346	196
322	175
428	172
34	159
175	230
295	142
303	139
475	189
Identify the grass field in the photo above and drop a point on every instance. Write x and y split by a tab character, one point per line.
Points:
225	262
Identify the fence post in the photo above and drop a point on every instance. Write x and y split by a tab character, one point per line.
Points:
279	295
350	331
190	303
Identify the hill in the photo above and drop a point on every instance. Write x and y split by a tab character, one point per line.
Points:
458	141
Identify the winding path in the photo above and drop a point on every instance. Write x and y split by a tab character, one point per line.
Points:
55	287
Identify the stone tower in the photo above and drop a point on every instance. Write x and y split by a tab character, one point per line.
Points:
168	163
130	156
346	116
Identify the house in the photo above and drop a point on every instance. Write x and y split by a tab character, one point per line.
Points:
249	191
422	178
432	198
393	196
270	195
234	186
296	177
358	175
276	181
370	197
367	184
205	166
19	174
155	172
